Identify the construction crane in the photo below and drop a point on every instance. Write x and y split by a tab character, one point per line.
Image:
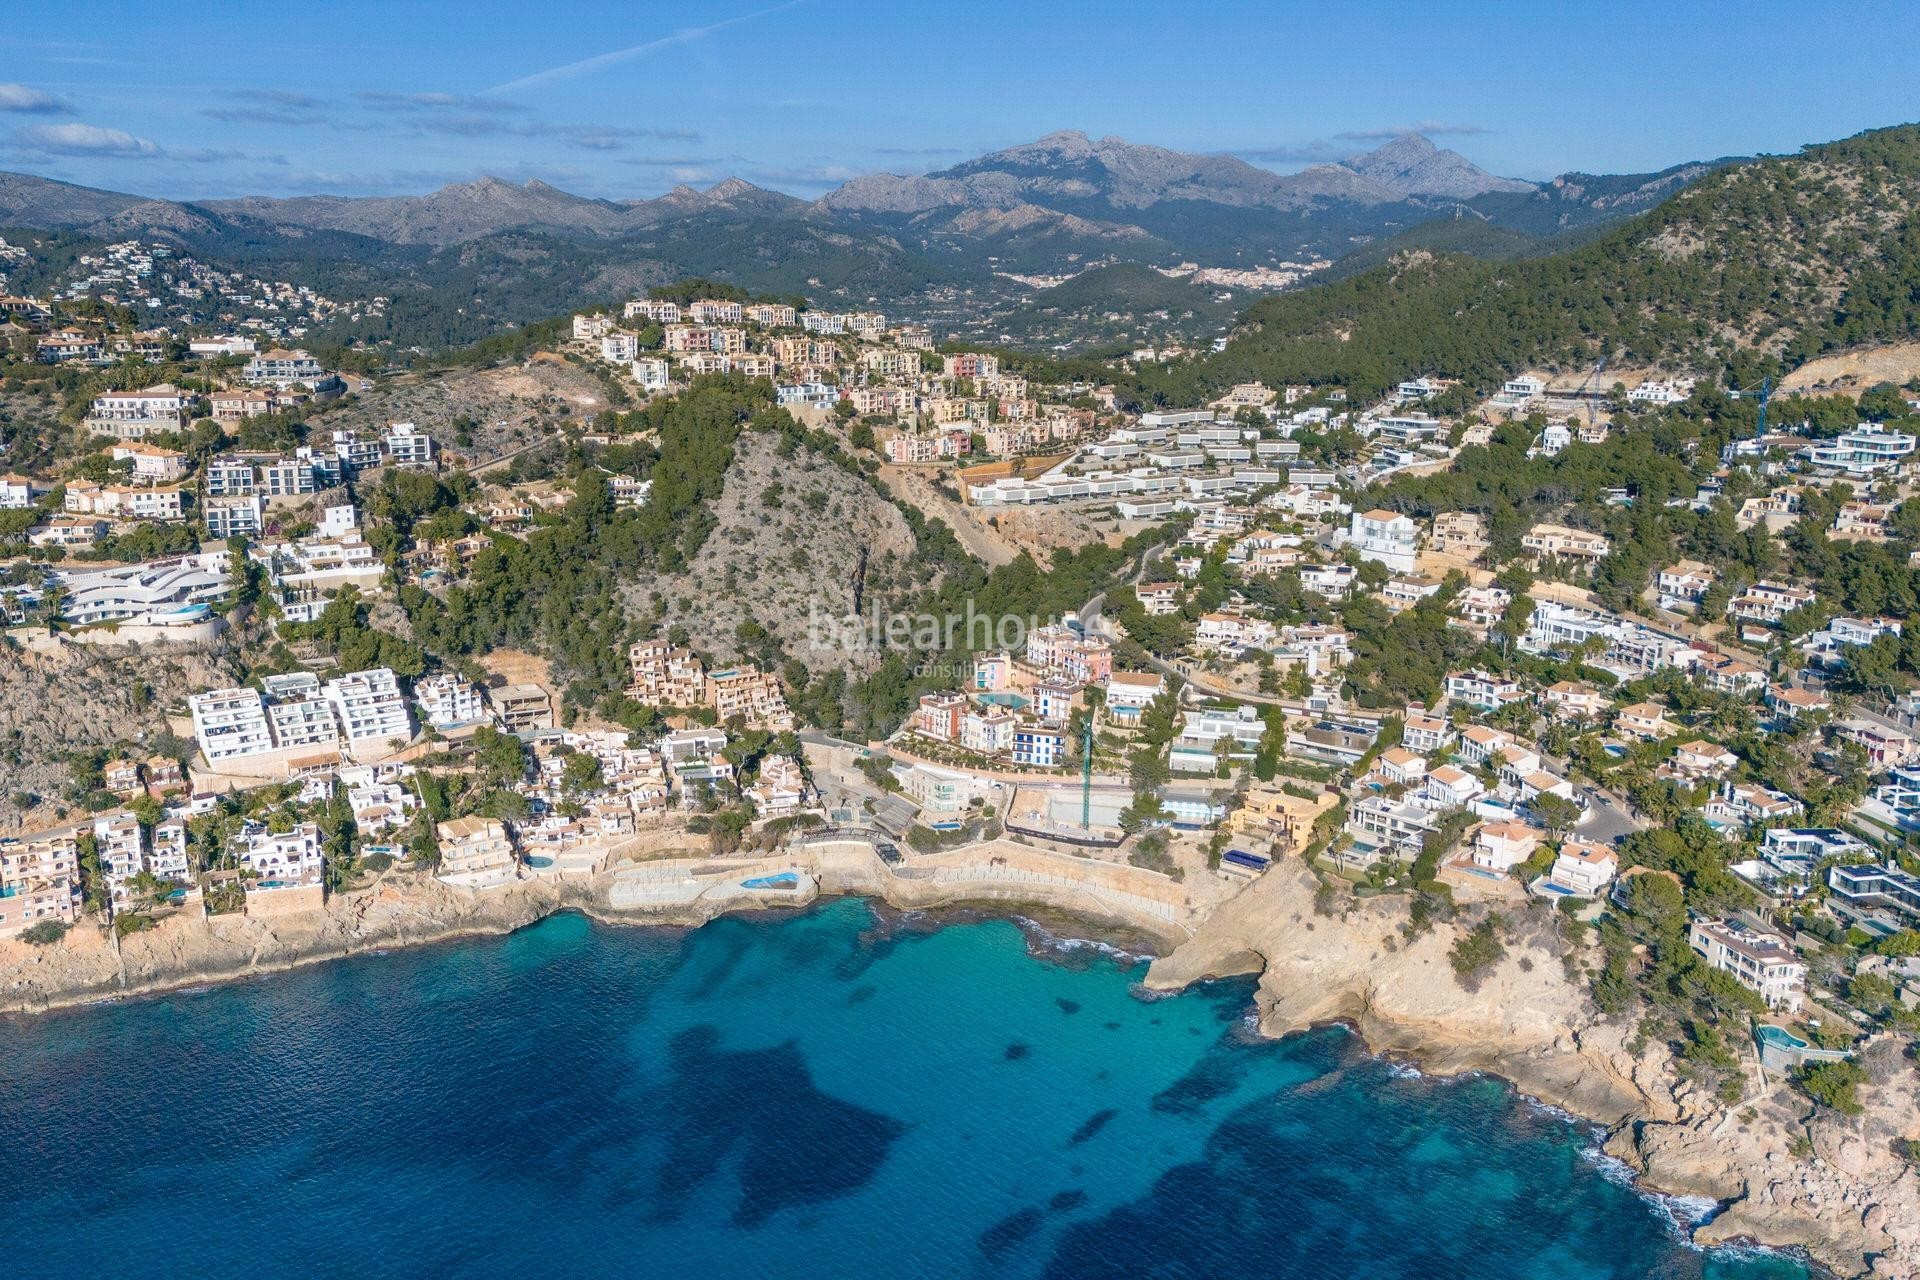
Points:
1581	394
1086	773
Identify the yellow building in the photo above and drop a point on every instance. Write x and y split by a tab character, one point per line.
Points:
1269	812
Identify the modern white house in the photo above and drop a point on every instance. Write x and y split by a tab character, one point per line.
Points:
1867	449
1760	961
1386	537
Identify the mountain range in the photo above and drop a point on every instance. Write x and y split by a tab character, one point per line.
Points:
1049	207
1065	179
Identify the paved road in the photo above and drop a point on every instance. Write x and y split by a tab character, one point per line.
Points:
1607	818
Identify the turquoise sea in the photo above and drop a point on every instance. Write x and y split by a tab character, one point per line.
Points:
832	1094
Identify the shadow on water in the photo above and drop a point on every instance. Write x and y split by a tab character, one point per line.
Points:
758	1112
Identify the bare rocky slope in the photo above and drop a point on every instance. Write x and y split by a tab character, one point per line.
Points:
1851	1203
509	408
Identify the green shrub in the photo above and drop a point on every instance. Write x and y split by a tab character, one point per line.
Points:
45	933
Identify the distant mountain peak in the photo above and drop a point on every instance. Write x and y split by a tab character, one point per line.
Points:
487	184
729	188
1412	166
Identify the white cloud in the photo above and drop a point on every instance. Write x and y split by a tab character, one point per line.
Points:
18	97
86	140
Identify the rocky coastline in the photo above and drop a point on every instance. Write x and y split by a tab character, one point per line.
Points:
1849	1203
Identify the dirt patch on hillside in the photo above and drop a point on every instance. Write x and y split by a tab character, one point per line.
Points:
1856	371
1001	535
507	409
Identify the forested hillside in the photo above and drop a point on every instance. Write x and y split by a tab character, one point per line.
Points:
1784	258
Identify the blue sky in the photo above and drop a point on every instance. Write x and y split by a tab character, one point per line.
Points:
627	98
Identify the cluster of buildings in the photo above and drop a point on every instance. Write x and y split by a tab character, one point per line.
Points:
230	493
1017	706
667	675
171	293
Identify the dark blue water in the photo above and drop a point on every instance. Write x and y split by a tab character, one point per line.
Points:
824	1096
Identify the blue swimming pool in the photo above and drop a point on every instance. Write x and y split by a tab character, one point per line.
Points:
1780	1036
783	880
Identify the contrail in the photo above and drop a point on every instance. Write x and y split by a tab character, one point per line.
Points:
683	36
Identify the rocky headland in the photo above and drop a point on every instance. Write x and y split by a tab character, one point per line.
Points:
1781	1173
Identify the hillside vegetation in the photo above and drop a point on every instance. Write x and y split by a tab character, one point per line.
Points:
1781	258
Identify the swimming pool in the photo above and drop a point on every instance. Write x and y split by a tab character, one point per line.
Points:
1779	1036
783	880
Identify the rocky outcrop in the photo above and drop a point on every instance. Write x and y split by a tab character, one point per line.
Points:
1850	1202
1523	1021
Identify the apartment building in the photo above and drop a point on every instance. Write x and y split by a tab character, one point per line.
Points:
406	445
987	730
126	501
666	675
940	715
38	880
370	708
714	311
448	701
659	312
652	373
769	315
751	694
230	724
235	516
283	368
1038	746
